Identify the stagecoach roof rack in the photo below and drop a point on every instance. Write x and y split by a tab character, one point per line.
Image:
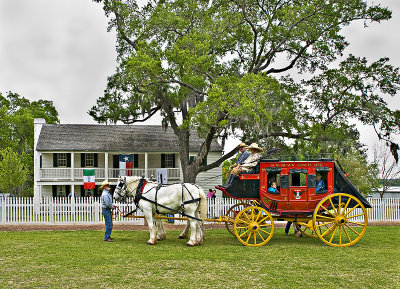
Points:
319	157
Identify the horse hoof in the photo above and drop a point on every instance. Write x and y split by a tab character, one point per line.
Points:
181	237
150	243
189	245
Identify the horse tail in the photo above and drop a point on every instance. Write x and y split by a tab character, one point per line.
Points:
203	204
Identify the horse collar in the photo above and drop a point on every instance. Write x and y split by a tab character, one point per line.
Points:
139	190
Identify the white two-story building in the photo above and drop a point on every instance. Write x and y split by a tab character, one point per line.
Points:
63	151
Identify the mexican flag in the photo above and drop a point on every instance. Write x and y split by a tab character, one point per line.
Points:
88	179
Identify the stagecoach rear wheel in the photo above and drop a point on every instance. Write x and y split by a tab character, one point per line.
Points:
340	220
254	226
231	215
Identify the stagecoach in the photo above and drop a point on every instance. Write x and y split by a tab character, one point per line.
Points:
336	214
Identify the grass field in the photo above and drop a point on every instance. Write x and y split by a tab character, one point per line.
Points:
81	259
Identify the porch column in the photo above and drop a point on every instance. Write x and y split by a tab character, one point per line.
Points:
106	166
72	166
146	162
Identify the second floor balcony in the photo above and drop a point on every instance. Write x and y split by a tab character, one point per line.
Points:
76	174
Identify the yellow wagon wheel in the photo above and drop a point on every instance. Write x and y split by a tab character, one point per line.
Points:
340	220
231	214
254	226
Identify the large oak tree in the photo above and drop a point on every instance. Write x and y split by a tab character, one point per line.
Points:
215	68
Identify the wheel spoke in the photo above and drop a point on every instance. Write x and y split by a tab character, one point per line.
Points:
327	211
333	207
340	235
245	232
265	225
327	232
340	204
325	224
354	231
265	231
333	234
356	223
261	236
267	217
259	213
347	234
362	214
348	202
352	210
248	238
325	217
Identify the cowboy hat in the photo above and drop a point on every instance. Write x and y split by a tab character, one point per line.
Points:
255	146
103	184
242	145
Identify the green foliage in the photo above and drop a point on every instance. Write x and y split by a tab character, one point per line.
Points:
212	66
76	259
16	129
13	174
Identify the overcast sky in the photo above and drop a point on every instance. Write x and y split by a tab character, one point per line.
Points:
60	50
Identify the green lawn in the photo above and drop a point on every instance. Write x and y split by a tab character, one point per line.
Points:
81	259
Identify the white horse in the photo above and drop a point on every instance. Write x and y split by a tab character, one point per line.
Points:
185	198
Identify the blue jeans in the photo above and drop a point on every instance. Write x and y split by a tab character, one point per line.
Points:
108	221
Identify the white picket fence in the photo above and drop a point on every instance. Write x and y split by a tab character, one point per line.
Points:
88	210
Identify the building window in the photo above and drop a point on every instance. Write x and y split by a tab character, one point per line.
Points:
89	160
169	160
61	191
62	160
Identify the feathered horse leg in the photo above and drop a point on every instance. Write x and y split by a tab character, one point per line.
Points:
161	235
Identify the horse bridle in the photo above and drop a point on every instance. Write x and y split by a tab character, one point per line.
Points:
122	186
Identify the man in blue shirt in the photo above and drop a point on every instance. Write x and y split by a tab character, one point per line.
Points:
107	205
244	154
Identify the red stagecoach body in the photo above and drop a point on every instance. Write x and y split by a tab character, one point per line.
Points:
296	182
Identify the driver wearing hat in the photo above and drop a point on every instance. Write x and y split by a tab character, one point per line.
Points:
248	164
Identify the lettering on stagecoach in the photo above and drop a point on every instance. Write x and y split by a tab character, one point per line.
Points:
282	165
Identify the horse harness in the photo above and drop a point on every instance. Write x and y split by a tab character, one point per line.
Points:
140	196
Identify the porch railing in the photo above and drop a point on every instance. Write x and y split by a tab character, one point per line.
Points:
51	174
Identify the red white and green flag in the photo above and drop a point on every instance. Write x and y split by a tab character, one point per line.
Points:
88	179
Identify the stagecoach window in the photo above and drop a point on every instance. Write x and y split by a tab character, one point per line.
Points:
298	178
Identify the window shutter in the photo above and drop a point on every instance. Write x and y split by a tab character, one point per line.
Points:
96	160
55	163
54	190
67	189
191	159
82	160
41	161
162	160
284	181
68	160
135	160
173	161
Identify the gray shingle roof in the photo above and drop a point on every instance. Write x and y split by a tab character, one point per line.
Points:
113	138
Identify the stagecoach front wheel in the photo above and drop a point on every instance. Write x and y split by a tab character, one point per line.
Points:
231	215
254	226
340	220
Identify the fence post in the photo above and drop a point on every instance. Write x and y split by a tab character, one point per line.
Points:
96	211
3	210
51	210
